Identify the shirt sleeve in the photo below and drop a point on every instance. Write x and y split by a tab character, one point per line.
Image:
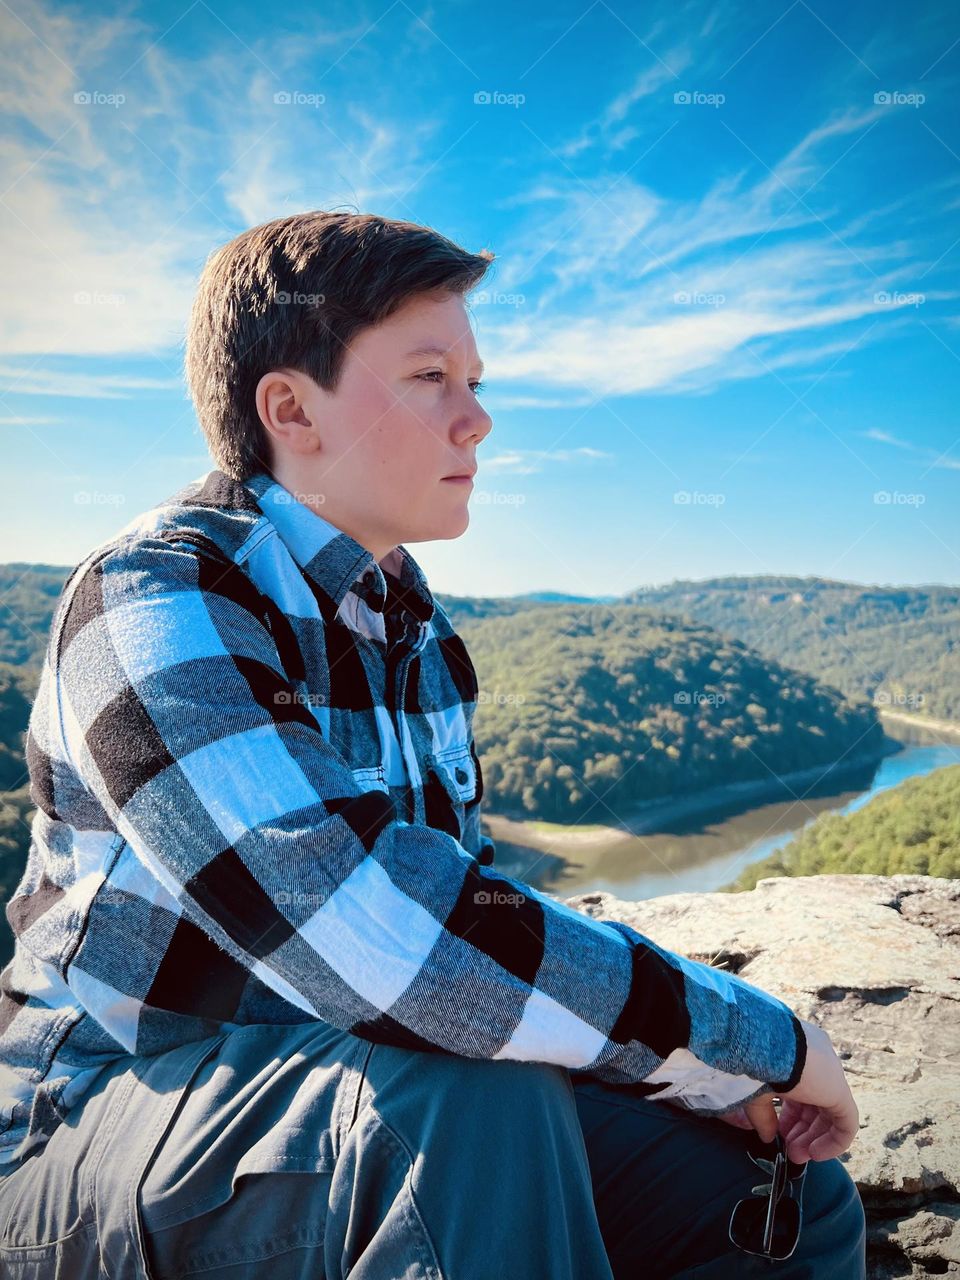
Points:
179	717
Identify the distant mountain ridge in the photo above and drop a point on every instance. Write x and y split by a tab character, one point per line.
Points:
592	702
897	646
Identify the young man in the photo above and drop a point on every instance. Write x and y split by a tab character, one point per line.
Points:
272	1009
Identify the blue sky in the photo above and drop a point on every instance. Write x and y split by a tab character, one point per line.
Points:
721	332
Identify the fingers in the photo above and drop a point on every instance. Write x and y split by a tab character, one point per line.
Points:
809	1132
821	1141
762	1115
826	1146
799	1145
737	1118
800	1126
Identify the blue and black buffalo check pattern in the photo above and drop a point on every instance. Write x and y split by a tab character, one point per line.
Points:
258	801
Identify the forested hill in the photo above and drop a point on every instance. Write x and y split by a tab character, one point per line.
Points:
627	704
913	828
28	597
899	646
585	708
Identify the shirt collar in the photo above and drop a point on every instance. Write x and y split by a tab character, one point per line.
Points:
334	562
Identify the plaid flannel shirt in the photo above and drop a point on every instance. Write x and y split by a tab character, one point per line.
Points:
258	801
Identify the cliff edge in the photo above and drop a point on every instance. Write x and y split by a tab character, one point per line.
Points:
875	960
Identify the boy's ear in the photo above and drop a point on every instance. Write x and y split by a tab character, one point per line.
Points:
280	396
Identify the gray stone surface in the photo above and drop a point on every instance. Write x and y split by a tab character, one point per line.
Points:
875	960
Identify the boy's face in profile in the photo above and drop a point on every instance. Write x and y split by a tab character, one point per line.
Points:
372	456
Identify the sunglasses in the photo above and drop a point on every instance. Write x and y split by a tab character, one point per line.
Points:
768	1224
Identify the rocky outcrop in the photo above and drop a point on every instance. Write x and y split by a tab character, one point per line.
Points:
875	960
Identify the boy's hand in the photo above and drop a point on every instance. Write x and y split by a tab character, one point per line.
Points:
761	1114
819	1118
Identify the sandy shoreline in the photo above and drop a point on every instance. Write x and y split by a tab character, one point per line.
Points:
922	722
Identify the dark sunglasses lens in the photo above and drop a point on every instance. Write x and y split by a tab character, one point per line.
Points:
748	1222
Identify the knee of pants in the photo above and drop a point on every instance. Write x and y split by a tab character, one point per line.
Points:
832	1207
506	1082
422	1089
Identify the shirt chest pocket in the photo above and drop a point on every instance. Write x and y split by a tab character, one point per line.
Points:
451	784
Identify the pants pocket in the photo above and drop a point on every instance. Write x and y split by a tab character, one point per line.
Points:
275	1099
277	1219
40	1210
73	1257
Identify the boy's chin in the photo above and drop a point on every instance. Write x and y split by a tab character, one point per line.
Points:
450	524
458	521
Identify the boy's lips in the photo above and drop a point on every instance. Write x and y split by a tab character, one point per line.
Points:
462	476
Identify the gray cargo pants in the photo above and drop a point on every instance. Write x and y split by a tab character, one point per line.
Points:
304	1152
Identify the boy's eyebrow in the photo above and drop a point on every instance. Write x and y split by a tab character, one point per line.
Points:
437	351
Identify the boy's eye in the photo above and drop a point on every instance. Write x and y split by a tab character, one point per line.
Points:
438	373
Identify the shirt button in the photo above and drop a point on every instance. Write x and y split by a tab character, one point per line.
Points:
461	775
369	578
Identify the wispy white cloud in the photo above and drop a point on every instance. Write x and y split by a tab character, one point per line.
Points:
528	461
358	158
497	402
609	129
650	342
936	460
647	293
93	386
784	238
14	420
885	437
109	216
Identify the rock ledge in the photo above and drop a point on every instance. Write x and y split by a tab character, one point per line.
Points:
875	960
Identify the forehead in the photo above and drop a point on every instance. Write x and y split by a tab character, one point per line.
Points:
431	327
431	350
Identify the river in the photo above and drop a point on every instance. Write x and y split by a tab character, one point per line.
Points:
705	851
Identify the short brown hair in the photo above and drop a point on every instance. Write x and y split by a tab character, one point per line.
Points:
292	293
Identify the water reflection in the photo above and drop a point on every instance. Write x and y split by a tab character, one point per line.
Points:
703	851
